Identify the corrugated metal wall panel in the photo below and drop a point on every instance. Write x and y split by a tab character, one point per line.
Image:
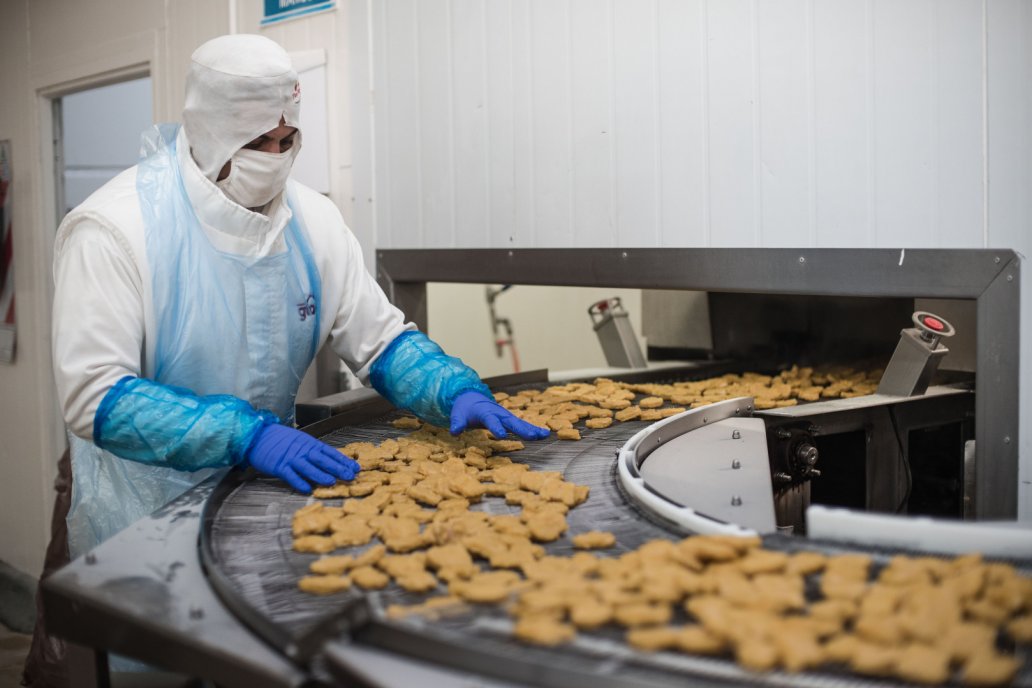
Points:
903	116
591	127
636	107
471	179
522	152
399	122
958	209
1009	104
551	79
732	123
500	101
435	122
1010	134
362	146
785	110
683	123
843	131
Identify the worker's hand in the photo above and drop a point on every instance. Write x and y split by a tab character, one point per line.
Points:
473	408
297	458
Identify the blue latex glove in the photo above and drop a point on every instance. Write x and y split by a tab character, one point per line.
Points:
472	409
296	458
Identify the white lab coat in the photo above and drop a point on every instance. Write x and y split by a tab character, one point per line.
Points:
104	319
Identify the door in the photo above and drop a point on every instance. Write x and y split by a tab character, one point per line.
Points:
97	136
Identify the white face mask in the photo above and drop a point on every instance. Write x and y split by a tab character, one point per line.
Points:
255	178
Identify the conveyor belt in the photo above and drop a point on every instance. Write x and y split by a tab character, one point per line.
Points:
246	545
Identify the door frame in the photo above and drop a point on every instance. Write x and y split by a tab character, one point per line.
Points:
102	64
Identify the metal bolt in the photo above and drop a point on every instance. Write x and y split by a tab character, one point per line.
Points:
510	254
624	255
782	477
196	613
736	501
802	259
1006	439
996	260
704	419
814	473
783	434
91	558
807	453
1010	278
735	435
736	464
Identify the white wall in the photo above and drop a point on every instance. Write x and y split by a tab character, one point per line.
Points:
811	123
23	499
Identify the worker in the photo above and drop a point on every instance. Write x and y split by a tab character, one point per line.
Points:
193	292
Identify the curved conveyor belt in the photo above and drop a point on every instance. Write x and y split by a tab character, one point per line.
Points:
246	549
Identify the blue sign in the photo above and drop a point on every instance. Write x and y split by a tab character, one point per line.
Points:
281	10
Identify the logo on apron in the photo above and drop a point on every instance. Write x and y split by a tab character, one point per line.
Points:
307	307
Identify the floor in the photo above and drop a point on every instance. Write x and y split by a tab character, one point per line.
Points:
13	649
17	617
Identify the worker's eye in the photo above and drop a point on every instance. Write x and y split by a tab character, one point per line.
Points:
287	143
254	145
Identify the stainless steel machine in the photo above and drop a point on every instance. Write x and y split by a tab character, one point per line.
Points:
776	307
208	585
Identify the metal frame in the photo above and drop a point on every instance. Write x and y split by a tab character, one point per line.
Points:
886	423
152	592
144	593
990	277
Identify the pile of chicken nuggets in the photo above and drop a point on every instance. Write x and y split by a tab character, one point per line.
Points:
919	619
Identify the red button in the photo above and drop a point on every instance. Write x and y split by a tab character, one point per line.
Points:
934	323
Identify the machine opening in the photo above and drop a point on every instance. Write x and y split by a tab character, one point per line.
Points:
937	463
843	478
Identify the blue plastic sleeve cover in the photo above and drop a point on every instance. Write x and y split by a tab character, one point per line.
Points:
161	425
415	374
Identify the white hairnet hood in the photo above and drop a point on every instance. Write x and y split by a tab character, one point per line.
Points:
238	88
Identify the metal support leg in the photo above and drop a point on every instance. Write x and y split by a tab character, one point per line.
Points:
88	668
